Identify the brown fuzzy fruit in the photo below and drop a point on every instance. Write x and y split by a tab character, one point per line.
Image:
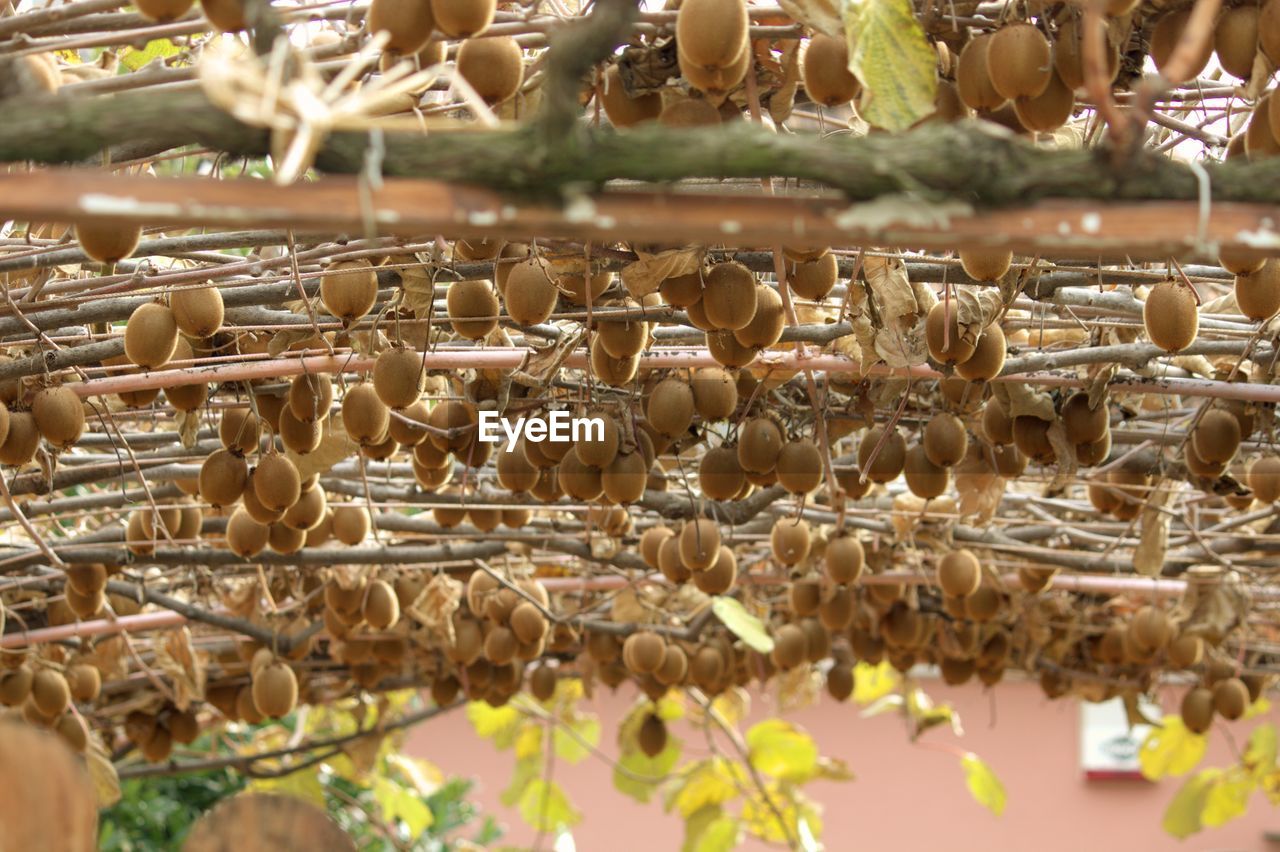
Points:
1258	294
107	240
276	482
825	68
50	692
652	735
240	430
947	344
1197	709
462	18
245	536
365	416
973	76
493	67
1170	316
790	647
720	475
227	16
197	311
21	440
398	377
945	439
813	279
1235	39
721	576
407	23
473	308
381	607
790	540
699	544
1230	698
759	444
1217	436
924	478
765	328
1264	478
844	559
163	10
531	295
644	651
799	466
310	397
1166	36
59	415
1019	61
712	33
670	407
275	690
1049	110
1151	628
622	109
889	461
1084	425
223	477
298	436
729	296
1068	53
350	524
150	336
985	264
349	289
715	394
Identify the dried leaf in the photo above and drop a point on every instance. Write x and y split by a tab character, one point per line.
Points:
334	447
976	307
1148	556
1021	400
435	605
188	427
106	782
902	348
1065	452
627	608
177	658
783	100
821	15
645	275
894	296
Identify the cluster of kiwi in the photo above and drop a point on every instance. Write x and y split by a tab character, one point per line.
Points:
156	733
45	689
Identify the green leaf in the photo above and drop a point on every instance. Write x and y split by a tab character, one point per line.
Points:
303	784
570	748
890	55
634	763
782	750
500	724
871	683
1170	749
159	48
399	802
795	808
527	769
545	807
1182	817
983	784
742	624
1228	798
1260	754
710	829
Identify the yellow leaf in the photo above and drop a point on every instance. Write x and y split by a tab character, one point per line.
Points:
423	775
799	815
782	750
1258	708
710	829
1170	749
707	782
873	682
1260	755
398	802
889	53
159	48
545	807
106	782
303	784
983	784
637	775
742	624
529	742
500	724
1228	798
1182	817
574	749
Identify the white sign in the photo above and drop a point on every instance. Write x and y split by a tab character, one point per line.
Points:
1108	746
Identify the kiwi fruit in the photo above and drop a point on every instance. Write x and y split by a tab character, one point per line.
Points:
669	561
711	33
493	67
246	537
1197	709
163	10
186	397
310	397
364	415
1230	698
924	478
398	377
825	71
790	647
1170	316
985	264
1257	294
1264	479
721	576
462	18
473	308
84	681
1031	437
407	427
790	540
1082	424
21	441
275	690
1019	61
889	461
59	416
515	472
760	443
276	482
681	291
670	408
623	338
1260	140
350	524
699	544
448	416
651	737
348	290
1241	261
107	240
844	559
285	539
578	480
729	296
650	541
644	651
197	311
715	393
1235	40
728	350
1166	35
973	75
1151	628
622	109
720	475
297	436
1217	436
767	323
223	477
599	453
799	466
531	295
715	82
947	345
407	23
1048	110
945	439
227	16
813	279
1068	54
150	336
1087	454
49	692
240	430
381	607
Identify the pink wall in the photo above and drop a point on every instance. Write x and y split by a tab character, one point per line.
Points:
905	796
